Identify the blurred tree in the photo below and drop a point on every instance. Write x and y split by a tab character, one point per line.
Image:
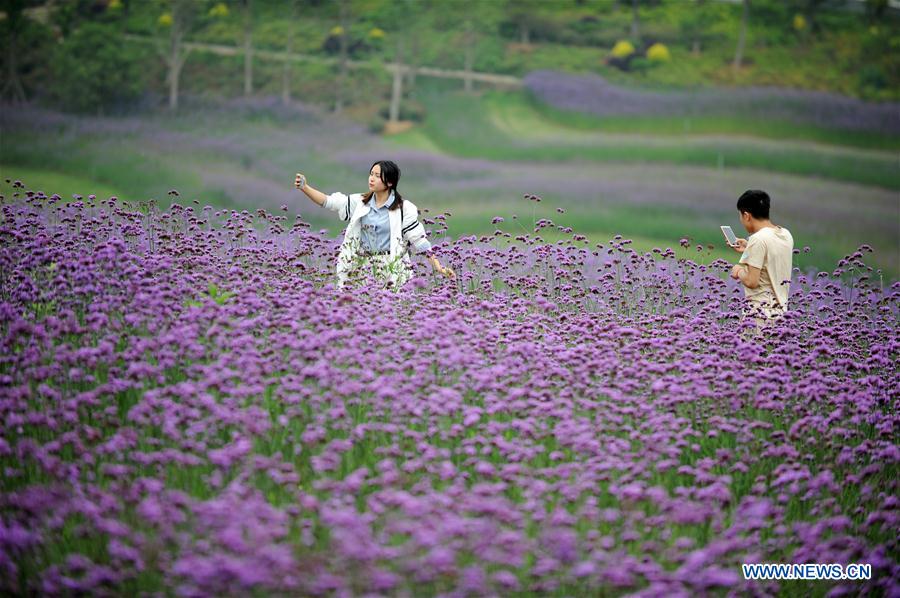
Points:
419	23
247	10
773	21
742	36
877	64
179	20
94	71
397	17
343	56
876	9
635	23
695	25
12	29
524	14
477	20
68	15
810	10
287	66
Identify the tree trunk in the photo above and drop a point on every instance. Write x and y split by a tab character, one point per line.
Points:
174	76
524	34
742	36
695	50
635	22
248	47
413	55
397	88
14	20
176	55
13	88
174	62
342	63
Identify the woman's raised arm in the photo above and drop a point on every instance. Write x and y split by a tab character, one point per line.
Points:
314	194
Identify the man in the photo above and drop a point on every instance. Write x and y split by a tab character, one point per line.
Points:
766	258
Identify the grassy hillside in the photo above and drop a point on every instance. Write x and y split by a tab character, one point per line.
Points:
620	175
475	162
505	126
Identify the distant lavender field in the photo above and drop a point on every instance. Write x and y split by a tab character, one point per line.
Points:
188	407
246	151
595	95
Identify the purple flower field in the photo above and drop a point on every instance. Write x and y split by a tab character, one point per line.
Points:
189	407
595	95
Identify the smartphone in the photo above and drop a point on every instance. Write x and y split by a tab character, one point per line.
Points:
729	235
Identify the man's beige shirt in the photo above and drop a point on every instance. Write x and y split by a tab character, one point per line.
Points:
772	251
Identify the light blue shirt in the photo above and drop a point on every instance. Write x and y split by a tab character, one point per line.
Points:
375	227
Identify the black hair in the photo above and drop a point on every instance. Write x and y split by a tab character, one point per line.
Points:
756	203
390	176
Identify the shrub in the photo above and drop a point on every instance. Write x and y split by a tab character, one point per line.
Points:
409	110
658	53
94	71
622	49
376	125
220	10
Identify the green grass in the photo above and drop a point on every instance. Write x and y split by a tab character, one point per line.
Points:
523	103
97	164
50	182
507	127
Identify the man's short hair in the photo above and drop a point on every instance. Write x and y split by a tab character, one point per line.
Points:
756	203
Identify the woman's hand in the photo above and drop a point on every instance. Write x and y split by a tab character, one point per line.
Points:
443	271
314	194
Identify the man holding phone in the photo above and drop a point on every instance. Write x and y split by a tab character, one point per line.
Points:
766	258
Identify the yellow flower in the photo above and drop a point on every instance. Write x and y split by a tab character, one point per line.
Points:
337	30
114	5
799	22
165	19
622	49
376	33
219	10
658	53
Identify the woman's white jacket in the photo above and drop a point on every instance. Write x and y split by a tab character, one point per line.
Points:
406	230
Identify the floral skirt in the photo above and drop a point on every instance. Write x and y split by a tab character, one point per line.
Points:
383	270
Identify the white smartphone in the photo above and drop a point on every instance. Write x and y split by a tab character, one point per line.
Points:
729	235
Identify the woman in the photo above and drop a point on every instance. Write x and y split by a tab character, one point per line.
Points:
382	226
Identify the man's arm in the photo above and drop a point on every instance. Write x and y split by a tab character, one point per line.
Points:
748	275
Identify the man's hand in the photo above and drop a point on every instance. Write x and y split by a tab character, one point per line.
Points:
736	271
740	245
